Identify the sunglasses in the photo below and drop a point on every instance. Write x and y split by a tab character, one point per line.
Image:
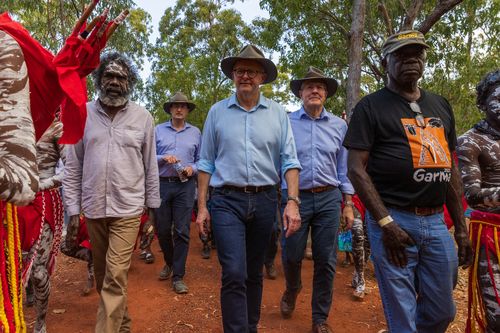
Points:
419	117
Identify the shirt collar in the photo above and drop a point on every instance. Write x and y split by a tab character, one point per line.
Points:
186	126
263	102
303	114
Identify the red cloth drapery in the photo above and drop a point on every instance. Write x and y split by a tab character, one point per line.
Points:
51	85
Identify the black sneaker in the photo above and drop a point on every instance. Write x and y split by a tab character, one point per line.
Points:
205	252
287	304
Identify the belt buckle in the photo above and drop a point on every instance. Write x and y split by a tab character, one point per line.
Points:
246	190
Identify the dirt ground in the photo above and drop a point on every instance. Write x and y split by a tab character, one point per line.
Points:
154	307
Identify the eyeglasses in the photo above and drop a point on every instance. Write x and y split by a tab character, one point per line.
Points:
179	106
250	72
419	118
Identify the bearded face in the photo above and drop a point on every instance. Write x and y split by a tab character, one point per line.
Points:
114	87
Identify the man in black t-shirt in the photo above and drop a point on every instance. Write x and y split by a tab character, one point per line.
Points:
401	141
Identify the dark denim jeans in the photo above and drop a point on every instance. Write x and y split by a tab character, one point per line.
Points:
173	220
418	297
242	224
320	213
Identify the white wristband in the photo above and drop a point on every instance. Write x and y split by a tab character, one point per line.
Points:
385	221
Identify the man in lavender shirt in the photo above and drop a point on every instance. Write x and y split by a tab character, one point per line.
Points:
323	180
177	151
111	175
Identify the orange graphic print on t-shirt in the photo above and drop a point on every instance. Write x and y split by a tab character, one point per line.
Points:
429	148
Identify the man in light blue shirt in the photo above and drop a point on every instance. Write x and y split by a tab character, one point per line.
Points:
318	137
247	143
177	146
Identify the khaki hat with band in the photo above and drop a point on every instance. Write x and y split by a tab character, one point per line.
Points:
178	98
250	52
314	74
403	38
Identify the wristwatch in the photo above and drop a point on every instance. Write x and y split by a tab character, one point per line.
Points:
296	199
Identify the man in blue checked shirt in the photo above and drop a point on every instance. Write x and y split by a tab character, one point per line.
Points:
318	136
177	146
247	143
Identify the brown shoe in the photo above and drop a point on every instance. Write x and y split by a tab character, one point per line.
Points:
287	304
322	328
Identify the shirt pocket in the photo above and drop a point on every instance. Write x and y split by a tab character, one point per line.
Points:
129	136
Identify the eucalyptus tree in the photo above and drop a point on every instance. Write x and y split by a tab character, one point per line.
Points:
463	37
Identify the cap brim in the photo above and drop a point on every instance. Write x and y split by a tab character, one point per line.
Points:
227	65
397	46
331	85
167	105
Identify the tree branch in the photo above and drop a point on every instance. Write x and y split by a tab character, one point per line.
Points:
442	7
335	21
385	15
411	14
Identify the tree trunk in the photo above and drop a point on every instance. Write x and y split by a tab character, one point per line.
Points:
355	55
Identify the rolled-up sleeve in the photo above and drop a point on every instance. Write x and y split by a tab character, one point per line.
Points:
208	148
72	182
152	180
288	151
345	184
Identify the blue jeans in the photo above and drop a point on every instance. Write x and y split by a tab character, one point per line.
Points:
173	220
320	212
418	297
242	224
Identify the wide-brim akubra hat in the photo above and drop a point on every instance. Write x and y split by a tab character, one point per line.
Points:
314	74
250	52
178	98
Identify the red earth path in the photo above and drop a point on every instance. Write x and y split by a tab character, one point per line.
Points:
155	308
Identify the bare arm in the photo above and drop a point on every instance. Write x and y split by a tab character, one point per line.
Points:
454	205
395	239
203	218
291	214
468	151
357	161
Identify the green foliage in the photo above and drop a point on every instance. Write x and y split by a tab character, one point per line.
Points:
464	45
194	36
465	48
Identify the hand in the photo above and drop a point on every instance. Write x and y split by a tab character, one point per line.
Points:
72	232
203	221
395	242
188	171
170	159
291	218
348	215
465	256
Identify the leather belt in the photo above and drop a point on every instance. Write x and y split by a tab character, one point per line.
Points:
319	189
420	211
171	179
249	189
